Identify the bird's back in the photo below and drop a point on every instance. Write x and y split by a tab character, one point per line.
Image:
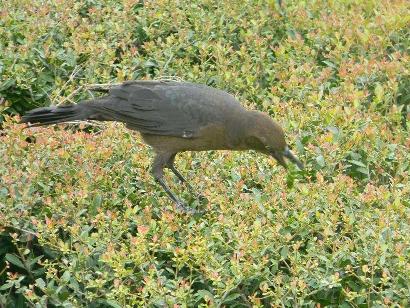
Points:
167	108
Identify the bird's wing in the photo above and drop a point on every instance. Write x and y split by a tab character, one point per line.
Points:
166	108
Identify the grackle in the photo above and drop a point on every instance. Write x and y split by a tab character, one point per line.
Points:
173	117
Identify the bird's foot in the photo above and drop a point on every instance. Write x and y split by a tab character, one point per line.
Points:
201	198
182	207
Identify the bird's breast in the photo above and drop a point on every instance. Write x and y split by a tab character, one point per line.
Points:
209	137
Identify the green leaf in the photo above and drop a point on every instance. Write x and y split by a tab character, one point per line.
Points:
113	303
231	297
66	276
205	294
6	286
40	283
235	175
357	163
299	146
363	170
284	252
320	161
379	92
97	201
329	64
7	84
15	260
31	262
38	272
150	63
3	192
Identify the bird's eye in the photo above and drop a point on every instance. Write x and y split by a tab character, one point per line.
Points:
268	148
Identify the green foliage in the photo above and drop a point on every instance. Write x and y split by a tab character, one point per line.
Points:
83	224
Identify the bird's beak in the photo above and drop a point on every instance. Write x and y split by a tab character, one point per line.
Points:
280	157
289	155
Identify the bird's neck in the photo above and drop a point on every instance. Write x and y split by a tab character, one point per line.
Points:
243	130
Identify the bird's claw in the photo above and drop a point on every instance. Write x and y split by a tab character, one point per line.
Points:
201	198
182	207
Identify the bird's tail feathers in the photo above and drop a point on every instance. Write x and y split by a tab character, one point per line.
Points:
52	115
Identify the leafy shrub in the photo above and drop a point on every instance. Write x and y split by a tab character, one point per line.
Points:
83	224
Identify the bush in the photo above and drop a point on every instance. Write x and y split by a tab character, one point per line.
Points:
83	224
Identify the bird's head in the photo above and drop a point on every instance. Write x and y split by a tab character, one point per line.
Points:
266	136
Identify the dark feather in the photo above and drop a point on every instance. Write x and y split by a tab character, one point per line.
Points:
165	108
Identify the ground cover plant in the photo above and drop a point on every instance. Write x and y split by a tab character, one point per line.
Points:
83	224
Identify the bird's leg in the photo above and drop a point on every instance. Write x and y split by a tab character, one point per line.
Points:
158	165
170	165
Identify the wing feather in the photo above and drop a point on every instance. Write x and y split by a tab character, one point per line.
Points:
166	108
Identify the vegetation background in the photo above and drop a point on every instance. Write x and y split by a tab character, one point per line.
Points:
83	224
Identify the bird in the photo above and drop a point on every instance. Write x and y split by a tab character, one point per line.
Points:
174	117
